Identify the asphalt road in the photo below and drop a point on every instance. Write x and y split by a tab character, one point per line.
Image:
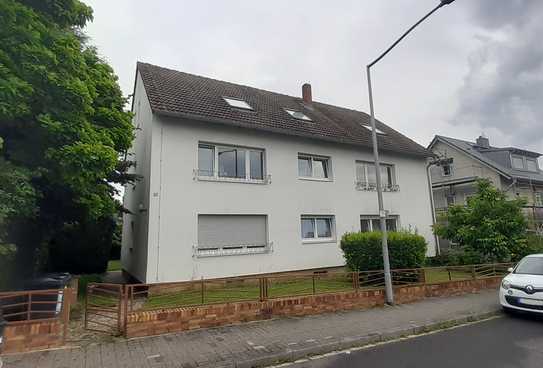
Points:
508	341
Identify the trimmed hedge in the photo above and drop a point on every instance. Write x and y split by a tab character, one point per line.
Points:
363	251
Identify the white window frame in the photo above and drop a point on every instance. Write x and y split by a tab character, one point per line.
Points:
371	218
538	199
443	170
377	130
535	162
361	185
316	238
247	179
293	113
242	104
233	249
312	157
522	158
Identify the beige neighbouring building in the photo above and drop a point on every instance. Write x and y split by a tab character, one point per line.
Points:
515	171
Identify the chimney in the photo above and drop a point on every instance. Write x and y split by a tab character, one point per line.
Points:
306	93
482	142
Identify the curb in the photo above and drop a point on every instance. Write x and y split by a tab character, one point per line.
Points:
360	341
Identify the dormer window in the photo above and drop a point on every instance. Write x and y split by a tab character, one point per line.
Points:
379	131
531	165
240	104
518	162
524	163
298	115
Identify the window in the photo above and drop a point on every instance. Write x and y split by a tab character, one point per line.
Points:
298	115
373	223
518	162
377	130
450	199
447	170
230	162
539	199
531	164
206	160
317	228
315	167
365	174
240	104
232	234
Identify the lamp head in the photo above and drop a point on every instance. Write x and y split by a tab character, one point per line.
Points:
446	2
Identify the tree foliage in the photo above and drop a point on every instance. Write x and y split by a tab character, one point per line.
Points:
63	128
489	225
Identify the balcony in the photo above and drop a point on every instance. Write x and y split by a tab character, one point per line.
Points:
371	187
206	175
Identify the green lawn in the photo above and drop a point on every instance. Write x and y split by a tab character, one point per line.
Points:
277	288
114	265
434	275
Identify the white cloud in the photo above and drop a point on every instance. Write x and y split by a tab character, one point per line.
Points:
431	84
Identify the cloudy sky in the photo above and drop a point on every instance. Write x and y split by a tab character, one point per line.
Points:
475	67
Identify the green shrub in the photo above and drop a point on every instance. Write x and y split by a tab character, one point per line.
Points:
457	256
533	245
363	251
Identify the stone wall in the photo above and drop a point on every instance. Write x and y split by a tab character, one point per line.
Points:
146	323
32	335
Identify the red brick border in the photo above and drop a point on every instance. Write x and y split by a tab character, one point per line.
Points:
33	335
147	323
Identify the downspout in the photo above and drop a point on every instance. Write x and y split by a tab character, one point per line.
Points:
159	203
511	185
432	206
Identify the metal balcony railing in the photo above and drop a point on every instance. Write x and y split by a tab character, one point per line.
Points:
366	186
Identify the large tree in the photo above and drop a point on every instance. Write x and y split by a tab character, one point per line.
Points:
490	224
63	128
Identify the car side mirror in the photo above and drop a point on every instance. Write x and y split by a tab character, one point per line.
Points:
510	269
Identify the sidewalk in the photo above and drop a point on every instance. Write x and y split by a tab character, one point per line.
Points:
266	342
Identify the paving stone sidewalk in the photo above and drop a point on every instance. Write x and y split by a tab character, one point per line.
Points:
265	342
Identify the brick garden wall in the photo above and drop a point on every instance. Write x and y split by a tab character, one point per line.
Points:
32	335
146	323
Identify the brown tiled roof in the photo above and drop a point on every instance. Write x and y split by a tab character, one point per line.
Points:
176	93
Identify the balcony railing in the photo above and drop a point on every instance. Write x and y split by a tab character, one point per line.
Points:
207	175
231	250
366	186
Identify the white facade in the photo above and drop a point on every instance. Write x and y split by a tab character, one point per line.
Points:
160	237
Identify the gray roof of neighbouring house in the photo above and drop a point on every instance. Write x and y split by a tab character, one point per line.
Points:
471	149
179	94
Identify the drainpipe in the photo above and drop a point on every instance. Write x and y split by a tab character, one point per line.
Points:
432	206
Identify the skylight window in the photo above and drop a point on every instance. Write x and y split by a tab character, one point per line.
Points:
240	104
379	131
298	115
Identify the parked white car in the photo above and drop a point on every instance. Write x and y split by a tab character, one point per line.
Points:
522	288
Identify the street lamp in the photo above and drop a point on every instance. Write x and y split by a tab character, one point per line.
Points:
382	213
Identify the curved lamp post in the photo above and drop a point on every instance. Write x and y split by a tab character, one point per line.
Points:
382	213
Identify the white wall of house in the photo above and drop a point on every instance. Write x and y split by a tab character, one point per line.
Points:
176	198
135	225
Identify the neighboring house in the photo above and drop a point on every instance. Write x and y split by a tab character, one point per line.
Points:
515	171
238	180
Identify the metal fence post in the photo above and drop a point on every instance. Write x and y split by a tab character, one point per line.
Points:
125	289
313	281
29	307
473	274
203	290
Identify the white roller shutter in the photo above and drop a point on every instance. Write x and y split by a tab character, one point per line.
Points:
231	230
